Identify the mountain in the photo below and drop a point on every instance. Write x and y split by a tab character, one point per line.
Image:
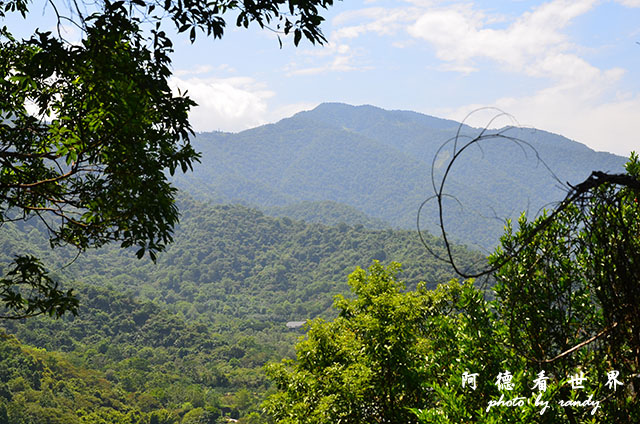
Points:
379	163
231	260
326	212
189	334
184	340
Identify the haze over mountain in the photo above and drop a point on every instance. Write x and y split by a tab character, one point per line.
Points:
184	340
378	162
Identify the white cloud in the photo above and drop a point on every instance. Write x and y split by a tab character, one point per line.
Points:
339	63
533	43
233	104
581	115
70	33
203	69
580	100
227	104
340	55
200	69
630	3
463	69
379	20
604	126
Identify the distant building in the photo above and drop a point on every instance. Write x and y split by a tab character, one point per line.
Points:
296	324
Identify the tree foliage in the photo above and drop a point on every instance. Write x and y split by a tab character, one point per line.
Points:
563	306
365	366
393	356
89	131
569	295
199	325
94	171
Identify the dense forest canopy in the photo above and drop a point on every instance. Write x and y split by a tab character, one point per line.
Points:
192	331
93	145
558	344
185	339
90	160
379	163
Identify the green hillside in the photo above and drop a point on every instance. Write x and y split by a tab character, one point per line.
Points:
326	212
379	162
192	332
230	260
184	340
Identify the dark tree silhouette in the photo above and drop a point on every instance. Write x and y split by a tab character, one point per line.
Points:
568	280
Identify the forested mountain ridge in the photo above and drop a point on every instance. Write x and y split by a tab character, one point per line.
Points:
184	340
188	336
326	212
379	162
225	252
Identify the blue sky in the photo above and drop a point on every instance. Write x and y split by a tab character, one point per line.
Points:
569	67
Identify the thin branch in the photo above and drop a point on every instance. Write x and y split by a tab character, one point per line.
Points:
10	154
74	170
25	316
580	345
576	193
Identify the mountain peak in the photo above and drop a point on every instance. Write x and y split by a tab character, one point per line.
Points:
362	116
379	162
